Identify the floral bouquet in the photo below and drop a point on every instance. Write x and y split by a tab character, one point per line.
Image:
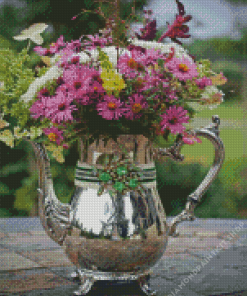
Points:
108	84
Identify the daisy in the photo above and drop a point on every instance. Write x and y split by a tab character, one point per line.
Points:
59	108
54	134
182	68
111	108
173	119
137	103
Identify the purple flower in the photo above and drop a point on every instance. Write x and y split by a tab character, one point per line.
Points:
137	103
173	119
41	51
182	68
111	108
54	134
59	107
38	108
203	82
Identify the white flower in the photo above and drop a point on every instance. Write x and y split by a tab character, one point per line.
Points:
165	48
213	96
53	73
33	33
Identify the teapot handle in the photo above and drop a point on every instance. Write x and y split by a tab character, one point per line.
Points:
211	133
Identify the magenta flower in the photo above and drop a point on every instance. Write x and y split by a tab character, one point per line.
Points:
182	68
54	47
44	92
54	134
95	41
131	66
190	139
76	76
59	107
178	29
149	32
38	108
203	82
173	119
41	51
111	108
137	103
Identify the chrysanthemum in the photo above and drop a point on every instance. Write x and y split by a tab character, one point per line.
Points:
111	108
182	68
54	134
76	76
137	103
131	66
95	41
173	119
59	108
203	82
38	108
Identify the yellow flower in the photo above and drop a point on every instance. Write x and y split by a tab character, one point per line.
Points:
57	152
7	137
112	80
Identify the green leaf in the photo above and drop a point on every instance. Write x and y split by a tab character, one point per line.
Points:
4	189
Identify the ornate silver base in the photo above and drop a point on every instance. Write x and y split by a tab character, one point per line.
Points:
86	283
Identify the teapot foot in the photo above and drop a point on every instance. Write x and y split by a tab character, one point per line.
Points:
144	282
86	284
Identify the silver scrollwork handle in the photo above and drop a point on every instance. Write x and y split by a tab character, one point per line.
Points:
211	133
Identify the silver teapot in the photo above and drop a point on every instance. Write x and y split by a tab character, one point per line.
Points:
119	236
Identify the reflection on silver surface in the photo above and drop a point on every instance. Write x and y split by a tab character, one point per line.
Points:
116	236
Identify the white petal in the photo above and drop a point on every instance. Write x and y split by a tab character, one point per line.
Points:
20	37
37	28
37	39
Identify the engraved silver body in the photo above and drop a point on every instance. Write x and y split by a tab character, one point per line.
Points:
122	236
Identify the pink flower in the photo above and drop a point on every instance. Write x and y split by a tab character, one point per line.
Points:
111	108
203	82
173	119
131	66
95	41
59	107
182	68
44	92
54	134
76	76
38	108
137	103
190	139
41	51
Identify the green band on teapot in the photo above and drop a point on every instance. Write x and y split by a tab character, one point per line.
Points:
85	175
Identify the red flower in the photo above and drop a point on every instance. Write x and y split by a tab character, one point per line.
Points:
178	29
149	32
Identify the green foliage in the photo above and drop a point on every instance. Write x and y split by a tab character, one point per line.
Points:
17	76
176	181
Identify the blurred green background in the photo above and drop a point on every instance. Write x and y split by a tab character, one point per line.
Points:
226	198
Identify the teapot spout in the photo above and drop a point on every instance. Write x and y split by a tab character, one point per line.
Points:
54	215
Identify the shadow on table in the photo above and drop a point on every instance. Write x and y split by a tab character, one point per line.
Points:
113	288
